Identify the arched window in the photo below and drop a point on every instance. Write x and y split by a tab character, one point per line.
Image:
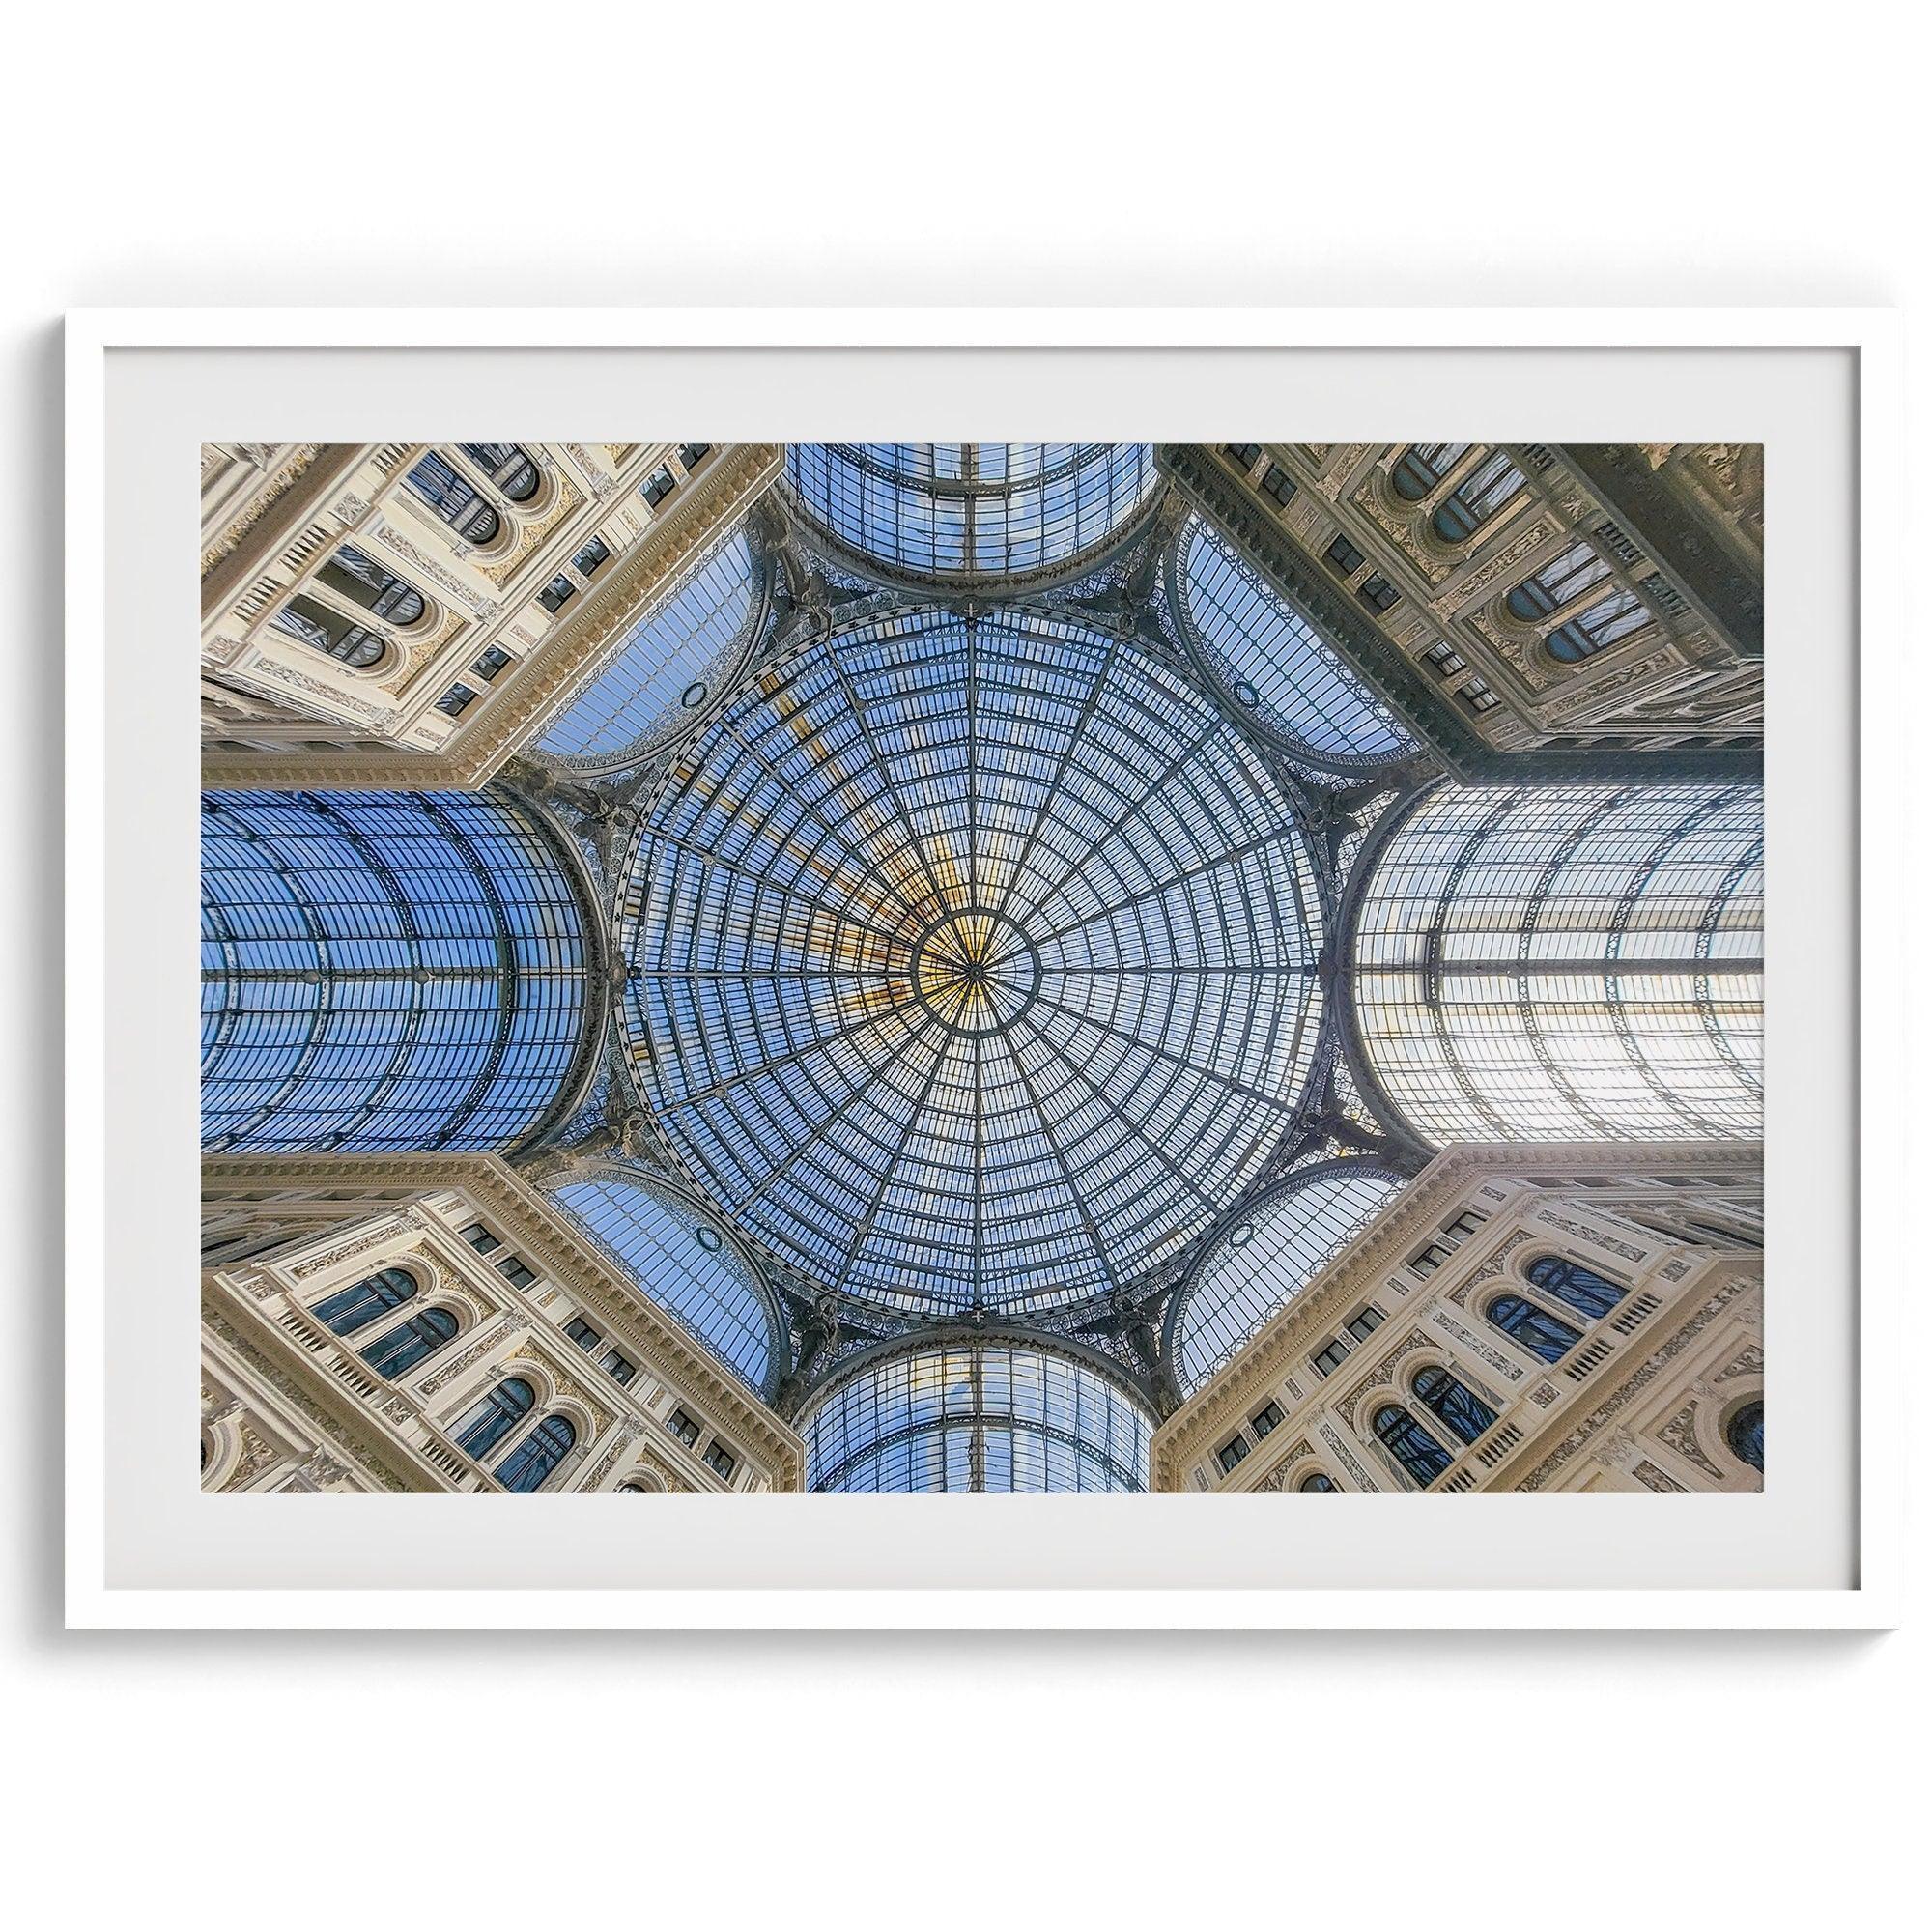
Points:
1410	1444
1744	1434
525	1467
331	632
349	1308
1522	1321
1465	1412
1422	466
509	466
403	1346
1474	501
495	1417
1587	1293
637	1490
364	582
1316	1485
1604	621
454	499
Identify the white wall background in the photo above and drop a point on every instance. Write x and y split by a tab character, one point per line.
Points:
215	154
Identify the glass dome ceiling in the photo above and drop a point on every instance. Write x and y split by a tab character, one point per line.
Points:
972	510
973	962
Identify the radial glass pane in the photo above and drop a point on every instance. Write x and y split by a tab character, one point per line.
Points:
1260	1264
668	663
982	1417
973	509
973	962
678	1259
384	971
1273	659
1570	963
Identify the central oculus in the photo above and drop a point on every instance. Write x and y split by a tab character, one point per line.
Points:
972	962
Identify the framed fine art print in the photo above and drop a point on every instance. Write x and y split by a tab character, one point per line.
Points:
1261	1015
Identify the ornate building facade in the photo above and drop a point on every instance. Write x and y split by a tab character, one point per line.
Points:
944	966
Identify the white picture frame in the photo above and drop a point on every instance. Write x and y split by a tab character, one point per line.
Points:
103	1149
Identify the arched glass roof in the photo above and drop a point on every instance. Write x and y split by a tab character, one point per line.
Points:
975	1417
972	962
683	1264
383	972
965	510
1262	1263
1274	662
668	665
1578	962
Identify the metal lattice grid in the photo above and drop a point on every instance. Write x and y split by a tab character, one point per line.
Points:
976	1418
686	1265
973	962
1273	661
385	972
1569	964
668	665
1260	1263
966	510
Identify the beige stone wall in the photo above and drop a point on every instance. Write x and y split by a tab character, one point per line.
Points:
276	710
1641	1402
288	1405
1675	679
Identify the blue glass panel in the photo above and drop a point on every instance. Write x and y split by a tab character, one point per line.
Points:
1569	964
973	509
495	1417
1264	1260
1418	1452
1542	1335
989	1417
1465	1412
1581	1288
668	665
681	1262
1275	661
525	1467
382	971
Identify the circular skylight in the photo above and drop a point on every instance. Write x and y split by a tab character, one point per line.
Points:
972	511
972	962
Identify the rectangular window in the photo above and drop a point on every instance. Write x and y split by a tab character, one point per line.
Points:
683	1428
1444	660
1344	556
1231	1453
1379	593
1331	1358
658	486
1478	696
1245	455
490	662
1466	1222
1429	1259
456	700
722	1460
582	1333
1269	1418
592	559
1366	1322
621	1371
556	593
515	1272
1277	483
691	454
481	1238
